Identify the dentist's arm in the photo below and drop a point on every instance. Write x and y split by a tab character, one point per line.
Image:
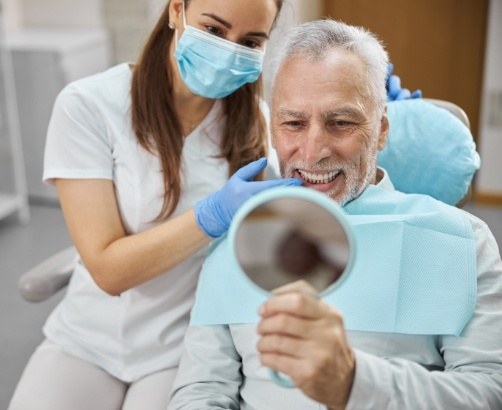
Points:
118	261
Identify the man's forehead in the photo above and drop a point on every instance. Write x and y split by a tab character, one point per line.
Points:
339	73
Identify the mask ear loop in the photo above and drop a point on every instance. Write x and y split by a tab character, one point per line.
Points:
184	16
173	26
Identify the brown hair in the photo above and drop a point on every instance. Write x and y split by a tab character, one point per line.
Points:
158	128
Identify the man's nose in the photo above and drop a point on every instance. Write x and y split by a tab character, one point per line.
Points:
316	145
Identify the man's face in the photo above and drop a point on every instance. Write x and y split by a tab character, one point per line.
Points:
325	128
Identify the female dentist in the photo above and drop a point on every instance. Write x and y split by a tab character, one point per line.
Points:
140	156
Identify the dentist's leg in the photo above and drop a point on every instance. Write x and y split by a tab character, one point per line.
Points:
55	380
150	392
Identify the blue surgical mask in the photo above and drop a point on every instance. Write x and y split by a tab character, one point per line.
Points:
213	67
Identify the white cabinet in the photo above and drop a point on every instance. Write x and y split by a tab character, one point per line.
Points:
44	61
13	195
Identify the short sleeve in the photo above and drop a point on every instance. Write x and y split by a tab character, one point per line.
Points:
77	146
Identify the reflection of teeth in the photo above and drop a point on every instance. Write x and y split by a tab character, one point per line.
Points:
318	178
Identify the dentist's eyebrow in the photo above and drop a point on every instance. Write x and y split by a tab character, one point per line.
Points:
229	26
218	19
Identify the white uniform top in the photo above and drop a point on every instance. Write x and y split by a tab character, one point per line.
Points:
90	136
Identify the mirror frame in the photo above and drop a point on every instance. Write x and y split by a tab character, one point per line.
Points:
303	193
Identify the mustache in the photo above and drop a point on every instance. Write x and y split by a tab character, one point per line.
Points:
322	166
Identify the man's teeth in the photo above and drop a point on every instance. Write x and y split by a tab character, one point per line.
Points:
314	178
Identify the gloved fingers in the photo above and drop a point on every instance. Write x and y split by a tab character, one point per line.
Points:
403	94
416	94
258	186
390	69
251	170
394	87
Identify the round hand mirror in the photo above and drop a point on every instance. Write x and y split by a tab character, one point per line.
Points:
287	234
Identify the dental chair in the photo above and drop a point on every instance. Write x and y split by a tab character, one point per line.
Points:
429	151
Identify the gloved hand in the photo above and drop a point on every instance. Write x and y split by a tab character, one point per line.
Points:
394	90
214	213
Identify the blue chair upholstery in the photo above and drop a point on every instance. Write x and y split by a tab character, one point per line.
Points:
429	150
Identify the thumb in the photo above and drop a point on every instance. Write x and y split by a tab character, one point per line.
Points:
394	86
249	171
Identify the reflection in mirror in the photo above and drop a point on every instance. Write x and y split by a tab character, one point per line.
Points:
288	239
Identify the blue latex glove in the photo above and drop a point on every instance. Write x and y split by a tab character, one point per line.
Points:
394	90
214	213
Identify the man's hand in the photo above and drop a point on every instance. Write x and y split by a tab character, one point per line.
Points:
304	338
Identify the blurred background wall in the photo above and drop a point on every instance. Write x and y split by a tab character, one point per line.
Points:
447	48
451	50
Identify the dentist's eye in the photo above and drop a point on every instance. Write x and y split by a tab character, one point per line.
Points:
251	43
214	30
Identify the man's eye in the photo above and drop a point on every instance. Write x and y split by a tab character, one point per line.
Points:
293	124
342	123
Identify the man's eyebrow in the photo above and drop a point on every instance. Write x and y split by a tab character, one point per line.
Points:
344	111
229	26
283	112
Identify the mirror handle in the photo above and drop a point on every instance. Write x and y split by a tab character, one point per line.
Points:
281	379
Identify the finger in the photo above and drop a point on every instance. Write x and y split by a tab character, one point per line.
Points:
404	94
284	345
294	303
258	186
279	362
416	94
291	366
287	325
251	170
301	286
394	86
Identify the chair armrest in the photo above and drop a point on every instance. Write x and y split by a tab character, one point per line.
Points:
46	278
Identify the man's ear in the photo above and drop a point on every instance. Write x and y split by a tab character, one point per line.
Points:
384	130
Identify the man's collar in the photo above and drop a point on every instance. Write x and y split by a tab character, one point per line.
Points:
383	180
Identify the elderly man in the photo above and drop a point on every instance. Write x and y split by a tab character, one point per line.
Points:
328	123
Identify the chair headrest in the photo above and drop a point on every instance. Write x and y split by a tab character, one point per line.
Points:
429	151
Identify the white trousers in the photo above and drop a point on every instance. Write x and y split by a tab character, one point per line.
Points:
55	380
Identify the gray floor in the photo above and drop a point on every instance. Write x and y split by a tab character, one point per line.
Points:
21	247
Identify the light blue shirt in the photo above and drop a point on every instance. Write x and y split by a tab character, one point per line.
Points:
393	371
402	279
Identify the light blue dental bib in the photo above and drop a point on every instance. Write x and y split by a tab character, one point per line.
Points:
414	272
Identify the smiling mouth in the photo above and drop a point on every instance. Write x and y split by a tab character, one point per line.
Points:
318	178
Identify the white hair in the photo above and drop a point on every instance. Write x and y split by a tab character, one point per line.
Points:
313	40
